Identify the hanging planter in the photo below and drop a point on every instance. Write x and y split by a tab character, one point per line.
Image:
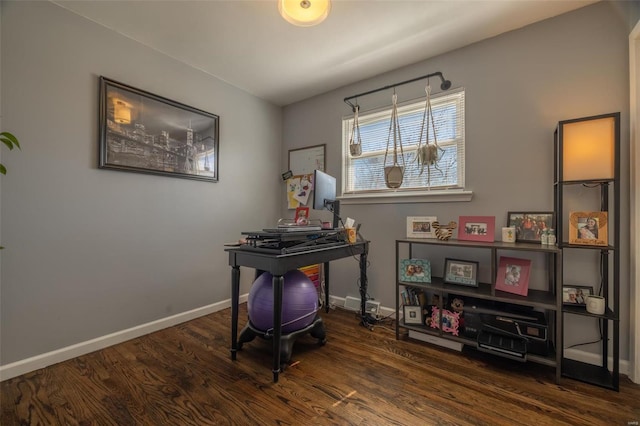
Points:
355	142
427	155
394	174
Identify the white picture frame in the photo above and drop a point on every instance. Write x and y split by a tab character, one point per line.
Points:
421	226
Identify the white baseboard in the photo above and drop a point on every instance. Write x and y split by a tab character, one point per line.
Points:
44	360
63	354
574	354
595	359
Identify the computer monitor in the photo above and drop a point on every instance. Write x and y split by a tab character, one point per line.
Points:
324	194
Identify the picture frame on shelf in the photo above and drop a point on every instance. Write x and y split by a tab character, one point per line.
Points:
413	315
576	295
415	270
477	228
450	320
461	272
513	275
421	226
530	225
588	228
146	133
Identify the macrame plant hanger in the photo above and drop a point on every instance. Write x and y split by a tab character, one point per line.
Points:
355	142
394	174
427	154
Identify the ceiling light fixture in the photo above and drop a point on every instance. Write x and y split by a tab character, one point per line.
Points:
304	13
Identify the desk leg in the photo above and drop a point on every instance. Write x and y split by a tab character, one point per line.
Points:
363	289
235	299
326	287
278	285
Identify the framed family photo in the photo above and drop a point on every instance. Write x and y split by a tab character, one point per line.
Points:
576	295
588	228
513	275
463	272
421	226
146	133
477	228
450	320
415	270
530	225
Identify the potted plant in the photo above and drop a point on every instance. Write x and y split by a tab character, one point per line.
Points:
10	141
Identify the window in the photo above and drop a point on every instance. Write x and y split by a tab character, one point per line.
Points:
364	175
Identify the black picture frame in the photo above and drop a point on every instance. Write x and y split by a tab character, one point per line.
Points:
539	220
413	315
146	133
460	272
579	297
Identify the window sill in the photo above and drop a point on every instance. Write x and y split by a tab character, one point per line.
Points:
408	198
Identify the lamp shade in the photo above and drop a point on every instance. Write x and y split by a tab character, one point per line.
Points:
304	13
588	148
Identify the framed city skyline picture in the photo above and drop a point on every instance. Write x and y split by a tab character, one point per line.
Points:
146	133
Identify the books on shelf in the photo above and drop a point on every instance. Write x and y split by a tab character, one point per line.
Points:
413	296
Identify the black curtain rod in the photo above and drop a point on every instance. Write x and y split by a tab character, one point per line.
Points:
444	85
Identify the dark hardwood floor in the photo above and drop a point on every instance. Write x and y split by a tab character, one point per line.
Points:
184	375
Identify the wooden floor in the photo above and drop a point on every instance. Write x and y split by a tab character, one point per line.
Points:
185	376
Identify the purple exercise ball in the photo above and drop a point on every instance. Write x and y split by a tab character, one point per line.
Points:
299	301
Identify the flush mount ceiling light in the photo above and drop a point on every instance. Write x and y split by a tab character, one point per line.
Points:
304	13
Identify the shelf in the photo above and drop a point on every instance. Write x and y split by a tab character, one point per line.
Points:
600	192
549	360
483	291
586	246
589	373
546	301
581	310
498	245
535	298
584	182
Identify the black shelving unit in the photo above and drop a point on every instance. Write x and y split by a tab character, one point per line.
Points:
548	300
607	189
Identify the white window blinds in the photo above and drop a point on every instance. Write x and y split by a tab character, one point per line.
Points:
365	173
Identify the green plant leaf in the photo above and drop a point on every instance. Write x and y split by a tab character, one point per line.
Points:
9	140
3	169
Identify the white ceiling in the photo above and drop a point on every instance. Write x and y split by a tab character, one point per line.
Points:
247	44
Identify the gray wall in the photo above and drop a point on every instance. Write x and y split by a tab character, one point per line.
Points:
518	86
90	252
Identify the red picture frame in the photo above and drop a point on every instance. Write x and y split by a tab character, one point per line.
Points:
477	228
302	216
513	275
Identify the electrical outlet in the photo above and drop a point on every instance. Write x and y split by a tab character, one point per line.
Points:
372	307
353	304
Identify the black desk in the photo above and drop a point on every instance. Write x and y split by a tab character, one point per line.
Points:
278	264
